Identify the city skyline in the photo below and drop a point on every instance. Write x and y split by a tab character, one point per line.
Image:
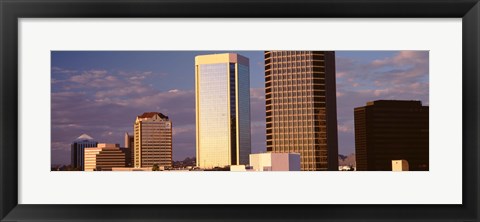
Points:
84	83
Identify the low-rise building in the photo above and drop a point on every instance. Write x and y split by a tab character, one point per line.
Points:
240	168
131	169
399	165
104	157
275	161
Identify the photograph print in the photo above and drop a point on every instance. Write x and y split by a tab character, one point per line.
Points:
241	111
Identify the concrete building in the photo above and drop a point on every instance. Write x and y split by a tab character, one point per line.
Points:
275	161
104	157
152	140
399	165
77	150
301	109
129	145
222	92
387	130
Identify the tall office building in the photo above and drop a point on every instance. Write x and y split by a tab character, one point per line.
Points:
387	130
301	109
128	149
153	140
222	91
77	150
104	157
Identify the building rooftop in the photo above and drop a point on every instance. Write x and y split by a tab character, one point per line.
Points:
221	58
151	114
402	103
84	137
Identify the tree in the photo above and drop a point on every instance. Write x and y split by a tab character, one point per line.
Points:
155	167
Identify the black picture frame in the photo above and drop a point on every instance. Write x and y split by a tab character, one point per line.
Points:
12	10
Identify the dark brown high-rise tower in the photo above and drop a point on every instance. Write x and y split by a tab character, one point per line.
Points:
387	130
301	109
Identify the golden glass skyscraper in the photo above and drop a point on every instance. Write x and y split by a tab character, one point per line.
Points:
222	91
301	110
152	140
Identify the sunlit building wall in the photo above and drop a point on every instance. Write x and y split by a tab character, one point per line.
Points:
152	140
399	165
222	90
104	157
275	161
301	109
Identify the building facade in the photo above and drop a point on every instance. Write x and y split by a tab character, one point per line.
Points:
152	140
387	130
104	157
222	91
77	150
275	161
129	145
399	165
301	109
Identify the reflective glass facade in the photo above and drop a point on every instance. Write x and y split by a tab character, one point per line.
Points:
244	113
300	96
222	110
78	150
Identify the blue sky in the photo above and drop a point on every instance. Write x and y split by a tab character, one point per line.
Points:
100	93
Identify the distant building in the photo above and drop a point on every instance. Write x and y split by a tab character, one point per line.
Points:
387	130
275	161
128	156
77	150
345	168
399	165
104	157
222	91
301	107
153	140
131	169
129	145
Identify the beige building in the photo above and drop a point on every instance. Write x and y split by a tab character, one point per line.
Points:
152	140
222	91
399	165
301	110
275	161
104	157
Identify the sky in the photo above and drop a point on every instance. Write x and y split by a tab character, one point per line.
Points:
100	93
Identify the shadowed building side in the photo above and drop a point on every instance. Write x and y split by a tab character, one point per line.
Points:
129	145
387	130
